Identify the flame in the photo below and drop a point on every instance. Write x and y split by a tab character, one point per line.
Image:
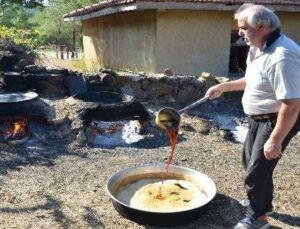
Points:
19	127
111	129
15	128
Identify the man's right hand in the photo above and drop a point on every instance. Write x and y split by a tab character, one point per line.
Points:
214	91
217	90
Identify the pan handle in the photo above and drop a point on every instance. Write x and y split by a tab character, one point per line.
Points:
193	104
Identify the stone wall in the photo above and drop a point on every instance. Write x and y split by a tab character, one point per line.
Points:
162	89
151	88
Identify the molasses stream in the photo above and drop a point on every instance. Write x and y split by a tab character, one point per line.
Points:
168	119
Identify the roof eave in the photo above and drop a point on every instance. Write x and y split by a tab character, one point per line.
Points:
102	12
170	6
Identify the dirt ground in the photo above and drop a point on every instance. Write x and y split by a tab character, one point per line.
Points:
62	184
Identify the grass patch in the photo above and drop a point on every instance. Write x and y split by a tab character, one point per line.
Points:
70	64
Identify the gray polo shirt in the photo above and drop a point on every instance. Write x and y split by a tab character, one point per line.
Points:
272	75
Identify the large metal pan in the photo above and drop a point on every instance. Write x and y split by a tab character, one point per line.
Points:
133	174
17	97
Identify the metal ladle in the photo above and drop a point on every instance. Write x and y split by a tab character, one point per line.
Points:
170	118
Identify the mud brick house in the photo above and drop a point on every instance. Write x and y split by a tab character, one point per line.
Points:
187	36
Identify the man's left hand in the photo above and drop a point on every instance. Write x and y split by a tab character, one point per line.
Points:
272	150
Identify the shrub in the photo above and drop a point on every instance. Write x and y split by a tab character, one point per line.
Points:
28	38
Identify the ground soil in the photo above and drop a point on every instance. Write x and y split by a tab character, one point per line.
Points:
62	184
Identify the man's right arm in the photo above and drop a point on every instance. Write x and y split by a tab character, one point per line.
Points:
217	90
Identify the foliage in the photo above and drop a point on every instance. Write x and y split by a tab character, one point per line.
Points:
36	23
24	3
28	38
52	25
18	17
42	20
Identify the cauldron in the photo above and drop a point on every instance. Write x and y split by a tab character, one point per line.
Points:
134	174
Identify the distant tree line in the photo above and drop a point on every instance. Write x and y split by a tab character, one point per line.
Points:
40	22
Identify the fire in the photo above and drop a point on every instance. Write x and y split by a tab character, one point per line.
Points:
15	128
19	127
108	128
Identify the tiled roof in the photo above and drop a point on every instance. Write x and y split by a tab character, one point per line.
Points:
114	3
97	6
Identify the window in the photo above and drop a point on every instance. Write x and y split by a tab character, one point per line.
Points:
238	54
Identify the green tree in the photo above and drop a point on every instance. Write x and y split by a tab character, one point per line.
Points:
24	3
52	25
17	21
43	20
28	38
19	13
18	17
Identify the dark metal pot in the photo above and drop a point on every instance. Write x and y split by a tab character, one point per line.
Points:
134	174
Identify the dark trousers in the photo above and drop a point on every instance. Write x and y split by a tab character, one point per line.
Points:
258	171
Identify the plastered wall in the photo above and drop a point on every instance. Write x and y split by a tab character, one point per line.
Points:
188	42
290	25
191	42
124	41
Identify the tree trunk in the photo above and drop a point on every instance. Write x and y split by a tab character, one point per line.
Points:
74	44
61	51
56	48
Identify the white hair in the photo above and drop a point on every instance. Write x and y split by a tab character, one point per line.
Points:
257	15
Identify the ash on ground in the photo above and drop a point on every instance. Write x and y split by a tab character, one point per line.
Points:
118	133
227	113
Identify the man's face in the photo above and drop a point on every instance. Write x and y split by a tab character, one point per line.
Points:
251	35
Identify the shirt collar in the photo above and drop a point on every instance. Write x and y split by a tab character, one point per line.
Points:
272	38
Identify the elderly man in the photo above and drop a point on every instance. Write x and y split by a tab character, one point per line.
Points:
271	100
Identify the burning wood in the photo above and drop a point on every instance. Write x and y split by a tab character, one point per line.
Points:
109	128
19	127
12	129
114	133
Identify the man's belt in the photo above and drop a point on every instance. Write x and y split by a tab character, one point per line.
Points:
264	116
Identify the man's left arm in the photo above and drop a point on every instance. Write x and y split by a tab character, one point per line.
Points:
287	117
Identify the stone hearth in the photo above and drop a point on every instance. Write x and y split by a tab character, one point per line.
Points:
70	103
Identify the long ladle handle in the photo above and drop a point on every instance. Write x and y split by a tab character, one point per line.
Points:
193	104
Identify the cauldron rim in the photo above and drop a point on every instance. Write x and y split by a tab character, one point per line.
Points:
115	200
